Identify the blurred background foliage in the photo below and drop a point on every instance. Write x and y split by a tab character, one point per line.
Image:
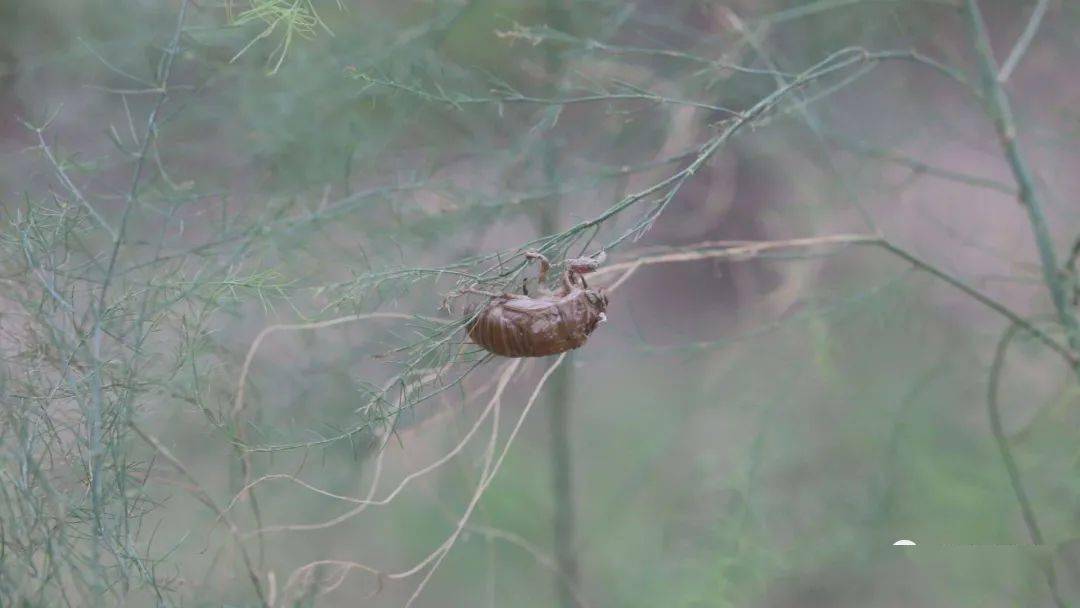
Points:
743	432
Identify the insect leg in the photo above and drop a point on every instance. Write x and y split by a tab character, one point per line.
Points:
567	282
545	265
481	292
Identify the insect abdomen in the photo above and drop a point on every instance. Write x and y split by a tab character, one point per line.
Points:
535	327
500	335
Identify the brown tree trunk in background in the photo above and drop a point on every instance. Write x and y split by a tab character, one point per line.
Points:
562	489
562	484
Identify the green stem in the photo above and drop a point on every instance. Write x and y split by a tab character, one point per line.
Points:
999	109
1027	511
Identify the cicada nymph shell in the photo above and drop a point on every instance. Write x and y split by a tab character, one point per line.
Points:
513	325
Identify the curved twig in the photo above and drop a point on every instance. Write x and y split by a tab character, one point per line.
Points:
1027	511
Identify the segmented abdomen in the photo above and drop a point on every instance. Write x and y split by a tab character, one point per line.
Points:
534	327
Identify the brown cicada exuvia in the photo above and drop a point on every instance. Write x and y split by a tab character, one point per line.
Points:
548	323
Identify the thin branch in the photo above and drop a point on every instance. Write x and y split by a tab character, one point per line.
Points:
304	575
241	435
668	188
1069	356
485	481
545	33
514	97
820	6
755	38
241	383
753	249
921	167
537	554
39	131
1024	42
743	251
1000	111
1015	480
148	137
490	468
206	499
363	504
96	409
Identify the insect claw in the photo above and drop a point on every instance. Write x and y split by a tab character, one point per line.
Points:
586	264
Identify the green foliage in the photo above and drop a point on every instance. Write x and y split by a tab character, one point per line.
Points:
284	18
241	241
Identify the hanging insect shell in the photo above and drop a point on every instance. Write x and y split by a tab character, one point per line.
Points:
513	325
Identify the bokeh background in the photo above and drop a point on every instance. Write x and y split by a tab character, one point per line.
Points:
743	432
